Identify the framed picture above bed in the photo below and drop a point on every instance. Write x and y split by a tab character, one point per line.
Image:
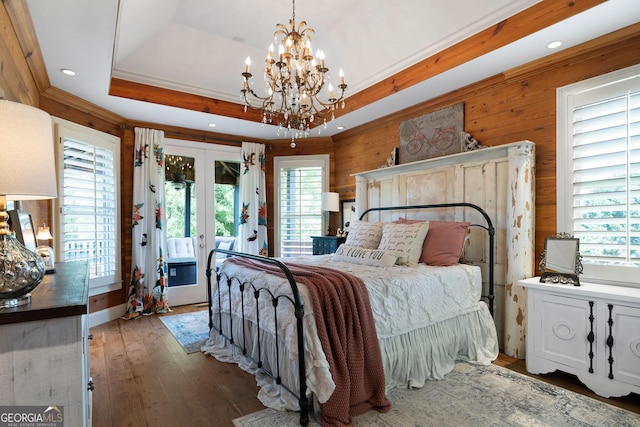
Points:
432	135
348	213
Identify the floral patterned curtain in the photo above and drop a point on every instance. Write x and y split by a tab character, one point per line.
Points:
148	284
252	232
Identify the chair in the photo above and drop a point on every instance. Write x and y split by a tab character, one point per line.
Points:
181	261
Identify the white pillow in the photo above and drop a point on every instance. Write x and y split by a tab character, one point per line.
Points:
406	239
357	255
225	246
364	234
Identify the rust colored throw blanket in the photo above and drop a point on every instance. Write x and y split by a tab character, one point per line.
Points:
348	335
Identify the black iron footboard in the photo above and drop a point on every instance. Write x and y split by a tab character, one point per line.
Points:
222	281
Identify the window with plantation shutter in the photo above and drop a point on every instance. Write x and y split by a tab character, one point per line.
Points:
599	174
88	203
300	182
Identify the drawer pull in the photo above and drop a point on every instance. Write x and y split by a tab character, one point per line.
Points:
591	337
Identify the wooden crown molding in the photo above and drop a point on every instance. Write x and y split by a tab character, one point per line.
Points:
533	19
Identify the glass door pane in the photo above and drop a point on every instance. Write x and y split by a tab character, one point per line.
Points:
227	211
180	196
227	193
185	217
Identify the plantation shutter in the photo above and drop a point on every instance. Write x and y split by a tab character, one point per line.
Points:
300	214
89	209
606	170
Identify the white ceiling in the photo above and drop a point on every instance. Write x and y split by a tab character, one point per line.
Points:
200	46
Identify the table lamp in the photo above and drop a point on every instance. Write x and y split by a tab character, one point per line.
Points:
46	251
330	202
27	172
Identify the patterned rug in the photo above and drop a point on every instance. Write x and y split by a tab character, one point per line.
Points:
191	330
476	396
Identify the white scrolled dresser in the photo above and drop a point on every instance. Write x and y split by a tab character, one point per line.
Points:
591	331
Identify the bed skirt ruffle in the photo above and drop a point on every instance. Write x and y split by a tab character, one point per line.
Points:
430	353
409	359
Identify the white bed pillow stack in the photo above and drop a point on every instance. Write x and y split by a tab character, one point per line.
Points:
380	242
405	239
364	234
358	255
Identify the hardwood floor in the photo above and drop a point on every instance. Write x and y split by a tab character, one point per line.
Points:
143	377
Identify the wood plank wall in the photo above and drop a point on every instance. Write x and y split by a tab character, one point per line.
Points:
516	105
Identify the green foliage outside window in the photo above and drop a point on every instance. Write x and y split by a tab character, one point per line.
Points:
225	210
175	210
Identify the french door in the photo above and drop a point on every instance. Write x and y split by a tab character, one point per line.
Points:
190	197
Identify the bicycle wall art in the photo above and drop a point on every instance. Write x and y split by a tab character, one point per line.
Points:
436	134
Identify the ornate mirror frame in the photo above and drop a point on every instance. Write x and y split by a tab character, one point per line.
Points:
561	262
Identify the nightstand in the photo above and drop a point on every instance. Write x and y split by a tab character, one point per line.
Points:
326	244
591	331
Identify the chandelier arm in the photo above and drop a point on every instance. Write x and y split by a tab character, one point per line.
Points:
262	105
331	102
255	95
315	88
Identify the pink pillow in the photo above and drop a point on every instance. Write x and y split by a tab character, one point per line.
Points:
444	242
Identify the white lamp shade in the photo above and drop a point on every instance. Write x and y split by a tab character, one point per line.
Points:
44	233
27	163
330	202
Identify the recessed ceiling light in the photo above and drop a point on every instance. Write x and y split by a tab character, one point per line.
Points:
340	128
554	44
212	125
68	72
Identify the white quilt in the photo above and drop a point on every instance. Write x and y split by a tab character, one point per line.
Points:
406	301
407	298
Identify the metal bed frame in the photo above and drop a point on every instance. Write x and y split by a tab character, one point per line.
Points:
296	301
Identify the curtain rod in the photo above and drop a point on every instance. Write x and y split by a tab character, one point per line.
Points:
190	136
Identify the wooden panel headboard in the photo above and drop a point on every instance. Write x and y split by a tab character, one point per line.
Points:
498	179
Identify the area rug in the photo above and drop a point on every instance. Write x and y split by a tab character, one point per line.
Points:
191	330
476	396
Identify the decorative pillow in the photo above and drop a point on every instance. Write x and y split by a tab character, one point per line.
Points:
357	255
406	239
444	243
226	246
364	234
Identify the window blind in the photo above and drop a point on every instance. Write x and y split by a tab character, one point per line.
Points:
300	213
606	171
89	208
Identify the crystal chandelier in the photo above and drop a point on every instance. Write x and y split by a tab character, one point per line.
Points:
299	91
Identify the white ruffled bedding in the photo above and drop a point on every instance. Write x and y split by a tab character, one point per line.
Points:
426	318
404	299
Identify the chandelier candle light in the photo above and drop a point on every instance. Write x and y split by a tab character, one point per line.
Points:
296	83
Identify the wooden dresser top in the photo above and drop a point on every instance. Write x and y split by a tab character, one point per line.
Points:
63	293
